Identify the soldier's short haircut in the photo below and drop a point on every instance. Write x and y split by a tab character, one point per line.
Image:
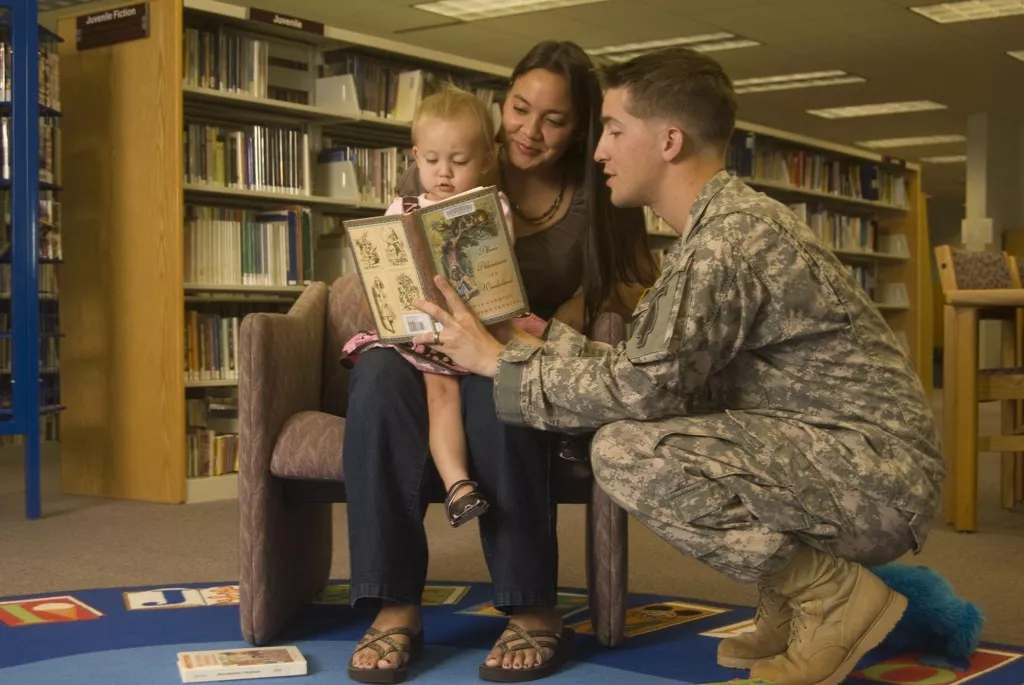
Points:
681	85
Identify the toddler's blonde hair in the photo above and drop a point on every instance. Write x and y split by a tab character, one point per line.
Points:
450	102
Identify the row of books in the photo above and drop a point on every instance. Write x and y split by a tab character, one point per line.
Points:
854	233
376	172
209	453
47	280
49	71
389	88
49	149
762	158
49	359
261	158
228	246
211	435
227	61
49	207
211	345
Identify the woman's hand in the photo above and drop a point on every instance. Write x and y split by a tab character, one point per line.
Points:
464	339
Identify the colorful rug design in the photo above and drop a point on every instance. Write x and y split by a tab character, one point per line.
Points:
132	635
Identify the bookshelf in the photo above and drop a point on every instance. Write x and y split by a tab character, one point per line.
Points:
30	243
226	199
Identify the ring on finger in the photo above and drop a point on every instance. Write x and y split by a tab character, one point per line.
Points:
437	338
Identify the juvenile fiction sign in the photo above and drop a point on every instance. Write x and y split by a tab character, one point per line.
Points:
110	26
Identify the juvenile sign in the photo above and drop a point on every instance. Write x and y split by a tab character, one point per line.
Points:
114	25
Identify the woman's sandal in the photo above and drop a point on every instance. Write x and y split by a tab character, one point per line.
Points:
465	508
407	655
560	643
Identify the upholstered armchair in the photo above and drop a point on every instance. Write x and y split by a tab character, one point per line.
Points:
292	404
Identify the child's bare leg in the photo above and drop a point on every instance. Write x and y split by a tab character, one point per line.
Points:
448	443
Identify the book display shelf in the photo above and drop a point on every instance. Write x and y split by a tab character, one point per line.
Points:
30	244
261	134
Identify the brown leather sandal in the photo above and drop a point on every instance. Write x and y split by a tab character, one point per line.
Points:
467	507
561	644
407	655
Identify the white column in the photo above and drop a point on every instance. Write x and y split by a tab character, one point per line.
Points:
995	201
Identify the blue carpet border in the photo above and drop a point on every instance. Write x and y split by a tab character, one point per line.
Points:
677	653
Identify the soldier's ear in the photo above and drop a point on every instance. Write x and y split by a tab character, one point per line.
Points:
673	142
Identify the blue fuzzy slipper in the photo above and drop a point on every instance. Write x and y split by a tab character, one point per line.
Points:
936	621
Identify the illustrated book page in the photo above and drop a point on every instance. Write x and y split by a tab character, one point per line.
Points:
465	239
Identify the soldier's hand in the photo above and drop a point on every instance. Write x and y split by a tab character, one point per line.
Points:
464	339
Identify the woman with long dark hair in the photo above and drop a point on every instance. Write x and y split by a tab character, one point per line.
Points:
578	256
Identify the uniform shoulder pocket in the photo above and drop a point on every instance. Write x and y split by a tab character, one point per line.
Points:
653	337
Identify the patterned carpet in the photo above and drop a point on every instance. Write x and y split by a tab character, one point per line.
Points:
127	636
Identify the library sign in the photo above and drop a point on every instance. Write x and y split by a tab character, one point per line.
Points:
114	25
286	21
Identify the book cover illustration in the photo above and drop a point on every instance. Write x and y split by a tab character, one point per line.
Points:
649	618
568	604
433	595
236	664
464	239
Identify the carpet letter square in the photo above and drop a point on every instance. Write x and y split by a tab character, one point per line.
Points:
438	595
28	612
657	616
220	596
569	603
164	598
731	630
910	669
333	594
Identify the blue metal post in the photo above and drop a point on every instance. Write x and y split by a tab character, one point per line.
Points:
25	241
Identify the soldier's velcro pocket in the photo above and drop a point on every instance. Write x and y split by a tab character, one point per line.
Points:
653	337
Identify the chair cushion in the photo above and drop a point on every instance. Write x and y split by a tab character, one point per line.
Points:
309	447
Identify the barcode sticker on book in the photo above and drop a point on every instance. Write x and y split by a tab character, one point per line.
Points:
416	323
460	209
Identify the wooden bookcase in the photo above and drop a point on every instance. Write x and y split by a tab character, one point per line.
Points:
134	368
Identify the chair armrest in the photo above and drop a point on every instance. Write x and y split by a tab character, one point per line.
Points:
284	552
1001	297
279	373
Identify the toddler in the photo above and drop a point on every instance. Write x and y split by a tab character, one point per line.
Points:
453	144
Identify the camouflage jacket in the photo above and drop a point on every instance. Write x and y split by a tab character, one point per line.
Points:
752	313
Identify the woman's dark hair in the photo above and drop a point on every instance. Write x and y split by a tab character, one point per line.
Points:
616	240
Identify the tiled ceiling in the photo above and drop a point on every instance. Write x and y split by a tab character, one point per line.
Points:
903	56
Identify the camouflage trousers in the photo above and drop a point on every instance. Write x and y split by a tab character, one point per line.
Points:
741	507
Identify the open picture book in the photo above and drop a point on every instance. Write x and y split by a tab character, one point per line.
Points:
465	239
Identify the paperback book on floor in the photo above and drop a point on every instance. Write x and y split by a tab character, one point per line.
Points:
240	664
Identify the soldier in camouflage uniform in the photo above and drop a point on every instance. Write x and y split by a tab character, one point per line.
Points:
762	417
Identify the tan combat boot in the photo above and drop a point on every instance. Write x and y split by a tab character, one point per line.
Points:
770	635
840	612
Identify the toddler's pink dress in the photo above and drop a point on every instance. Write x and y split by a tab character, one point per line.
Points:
423	357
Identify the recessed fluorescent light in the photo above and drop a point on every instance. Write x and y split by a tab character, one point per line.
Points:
809	79
707	42
945	159
876	109
1016	54
473	10
912	142
970	10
